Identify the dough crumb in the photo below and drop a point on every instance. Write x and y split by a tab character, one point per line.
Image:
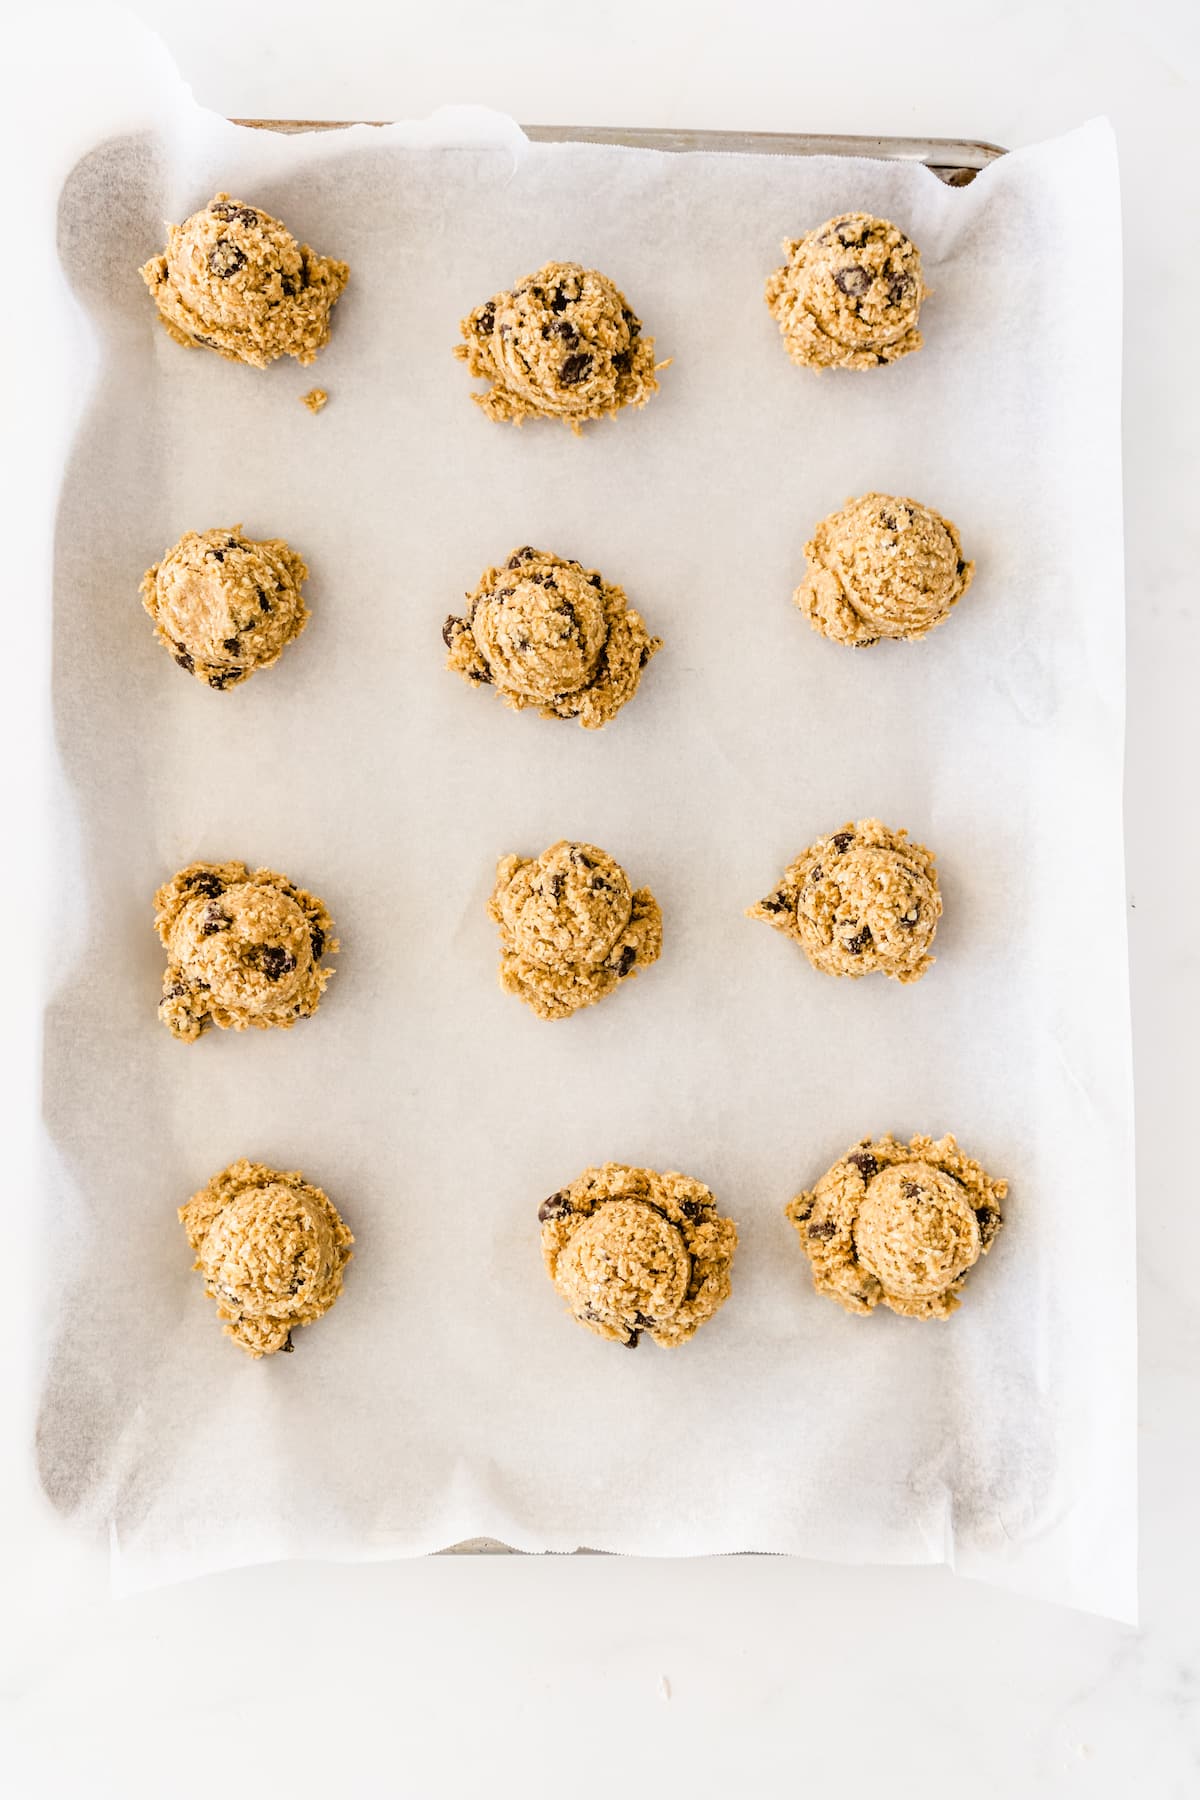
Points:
315	399
564	343
631	1250
882	567
546	632
861	900
572	927
849	294
243	947
234	280
898	1225
272	1250
225	605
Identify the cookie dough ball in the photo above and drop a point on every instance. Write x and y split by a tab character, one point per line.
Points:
849	295
571	927
235	279
272	1251
563	344
898	1225
883	567
244	948
631	1250
225	605
547	632
860	900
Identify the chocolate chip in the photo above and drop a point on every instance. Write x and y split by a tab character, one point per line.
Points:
961	569
627	959
263	603
851	236
898	287
774	904
887	521
223	678
853	281
274	961
481	677
987	1221
569	614
287	1346
864	1162
228	209
640	1319
858	943
204	883
910	1189
564	329
622	362
910	919
225	258
290	284
878	360
232	643
316	938
554	887
823	1229
176	992
214	920
815	874
575	369
804	1212
184	659
632	1341
217	555
841	841
555	1207
559	300
485	319
632	323
580	858
692	1209
518	557
448	630
595	581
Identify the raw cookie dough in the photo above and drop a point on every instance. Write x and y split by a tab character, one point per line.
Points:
898	1225
882	567
549	633
849	295
244	948
235	279
225	605
271	1249
563	344
860	900
631	1250
571	927
315	399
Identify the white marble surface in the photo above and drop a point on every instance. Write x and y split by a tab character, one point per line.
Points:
734	1676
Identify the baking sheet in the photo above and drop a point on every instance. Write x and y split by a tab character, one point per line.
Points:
448	1395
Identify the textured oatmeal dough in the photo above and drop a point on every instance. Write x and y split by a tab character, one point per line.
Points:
547	632
571	927
562	344
883	566
244	948
861	900
225	605
235	280
272	1251
631	1250
315	399
898	1225
849	295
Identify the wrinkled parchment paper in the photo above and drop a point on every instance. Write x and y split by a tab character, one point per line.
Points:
449	1394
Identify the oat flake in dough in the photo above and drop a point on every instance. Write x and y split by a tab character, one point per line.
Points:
898	1225
546	632
244	949
562	344
631	1250
572	927
234	280
849	294
882	567
272	1250
861	900
225	605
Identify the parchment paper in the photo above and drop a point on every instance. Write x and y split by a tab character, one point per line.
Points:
449	1394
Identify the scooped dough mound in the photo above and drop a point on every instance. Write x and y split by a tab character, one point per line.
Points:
861	900
898	1225
882	567
547	632
225	605
849	295
272	1251
562	344
244	948
571	927
631	1250
235	280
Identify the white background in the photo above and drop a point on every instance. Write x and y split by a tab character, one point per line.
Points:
539	1676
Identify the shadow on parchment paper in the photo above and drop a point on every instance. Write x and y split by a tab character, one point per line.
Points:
87	1459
